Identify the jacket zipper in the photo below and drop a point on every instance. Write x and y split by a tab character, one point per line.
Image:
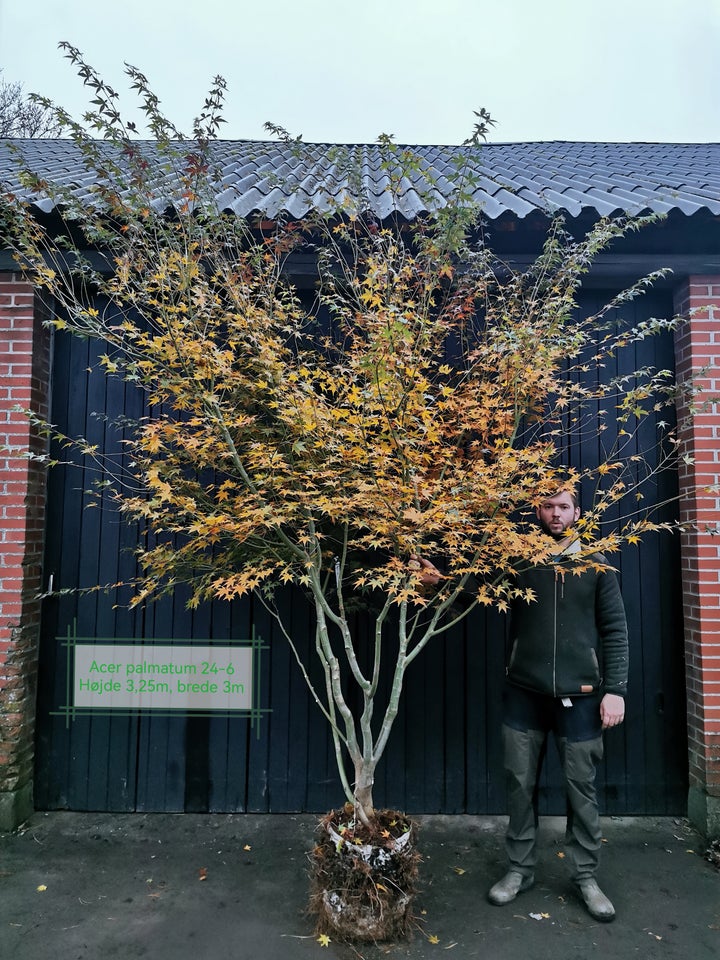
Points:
559	575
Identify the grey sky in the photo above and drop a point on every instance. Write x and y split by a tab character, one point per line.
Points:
348	70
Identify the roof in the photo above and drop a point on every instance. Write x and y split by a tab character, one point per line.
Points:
519	179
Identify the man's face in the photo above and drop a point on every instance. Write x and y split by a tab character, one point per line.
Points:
557	514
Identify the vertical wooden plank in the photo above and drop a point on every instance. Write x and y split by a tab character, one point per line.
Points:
196	626
228	756
258	800
496	644
478	735
454	646
111	759
161	740
52	734
288	724
428	775
74	527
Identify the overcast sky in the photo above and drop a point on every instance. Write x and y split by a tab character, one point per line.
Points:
348	70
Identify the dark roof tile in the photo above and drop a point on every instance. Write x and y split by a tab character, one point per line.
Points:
508	178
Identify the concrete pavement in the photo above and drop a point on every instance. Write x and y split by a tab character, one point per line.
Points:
83	886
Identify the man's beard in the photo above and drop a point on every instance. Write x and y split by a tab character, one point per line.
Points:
551	533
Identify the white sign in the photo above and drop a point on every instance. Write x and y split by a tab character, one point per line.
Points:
163	677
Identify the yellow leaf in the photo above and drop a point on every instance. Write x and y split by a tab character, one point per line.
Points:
324	940
42	888
459	870
433	939
247	847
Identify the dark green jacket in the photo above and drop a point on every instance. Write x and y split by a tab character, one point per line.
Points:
572	639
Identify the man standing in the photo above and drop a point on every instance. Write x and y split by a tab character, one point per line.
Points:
567	674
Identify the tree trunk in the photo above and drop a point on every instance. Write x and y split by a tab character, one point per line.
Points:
364	780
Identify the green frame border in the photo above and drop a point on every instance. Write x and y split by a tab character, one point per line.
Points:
71	712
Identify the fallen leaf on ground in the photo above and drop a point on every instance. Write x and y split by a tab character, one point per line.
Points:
433	939
324	940
42	888
202	873
459	870
247	847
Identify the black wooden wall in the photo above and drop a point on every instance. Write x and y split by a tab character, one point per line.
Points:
444	754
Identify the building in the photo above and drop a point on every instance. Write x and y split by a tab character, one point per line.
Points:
444	756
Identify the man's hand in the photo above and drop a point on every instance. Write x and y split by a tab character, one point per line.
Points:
612	710
430	576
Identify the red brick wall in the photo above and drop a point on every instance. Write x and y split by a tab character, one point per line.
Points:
698	352
24	378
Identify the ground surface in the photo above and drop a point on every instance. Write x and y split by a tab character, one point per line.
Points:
192	887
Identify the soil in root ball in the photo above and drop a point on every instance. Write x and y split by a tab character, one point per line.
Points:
363	880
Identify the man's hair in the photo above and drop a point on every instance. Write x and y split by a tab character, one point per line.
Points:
571	493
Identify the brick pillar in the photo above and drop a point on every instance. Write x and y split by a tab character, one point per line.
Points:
697	346
24	379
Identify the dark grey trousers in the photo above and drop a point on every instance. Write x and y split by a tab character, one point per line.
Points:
523	755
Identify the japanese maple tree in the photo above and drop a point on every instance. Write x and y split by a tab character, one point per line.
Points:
417	405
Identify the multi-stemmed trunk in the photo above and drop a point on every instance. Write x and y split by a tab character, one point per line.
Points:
360	738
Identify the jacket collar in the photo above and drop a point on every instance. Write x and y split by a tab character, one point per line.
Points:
566	547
